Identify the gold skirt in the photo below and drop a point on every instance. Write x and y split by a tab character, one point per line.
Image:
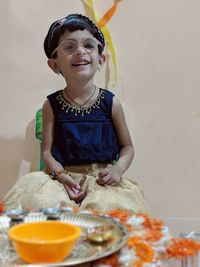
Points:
36	190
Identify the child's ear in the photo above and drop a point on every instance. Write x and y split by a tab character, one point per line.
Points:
53	65
102	59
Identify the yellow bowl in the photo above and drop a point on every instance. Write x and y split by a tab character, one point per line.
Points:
44	242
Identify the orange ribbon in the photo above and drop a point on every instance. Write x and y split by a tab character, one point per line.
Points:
108	15
101	23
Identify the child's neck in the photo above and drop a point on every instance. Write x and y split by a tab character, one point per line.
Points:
77	89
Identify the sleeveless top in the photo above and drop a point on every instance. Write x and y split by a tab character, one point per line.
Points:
83	135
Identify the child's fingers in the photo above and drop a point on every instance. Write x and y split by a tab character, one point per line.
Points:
79	195
70	182
103	172
108	180
103	180
73	193
67	179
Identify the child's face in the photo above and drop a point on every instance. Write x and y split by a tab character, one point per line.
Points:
77	55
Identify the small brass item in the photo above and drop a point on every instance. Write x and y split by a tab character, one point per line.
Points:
100	234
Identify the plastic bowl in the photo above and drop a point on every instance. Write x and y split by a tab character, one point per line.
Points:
44	242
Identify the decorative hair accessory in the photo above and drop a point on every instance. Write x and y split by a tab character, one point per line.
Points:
102	40
62	21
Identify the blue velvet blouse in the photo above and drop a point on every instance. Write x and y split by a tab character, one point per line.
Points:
83	135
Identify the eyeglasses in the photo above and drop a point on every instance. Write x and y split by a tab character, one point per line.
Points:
70	46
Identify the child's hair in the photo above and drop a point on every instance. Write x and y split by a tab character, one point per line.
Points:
72	22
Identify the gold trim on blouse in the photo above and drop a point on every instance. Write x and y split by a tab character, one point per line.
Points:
77	110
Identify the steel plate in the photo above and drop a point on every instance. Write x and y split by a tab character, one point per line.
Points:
85	251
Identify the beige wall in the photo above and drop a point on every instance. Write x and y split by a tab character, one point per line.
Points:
157	44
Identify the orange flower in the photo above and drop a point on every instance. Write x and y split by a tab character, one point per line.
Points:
143	249
75	209
133	240
122	215
181	248
144	252
151	223
2	207
96	212
138	263
153	235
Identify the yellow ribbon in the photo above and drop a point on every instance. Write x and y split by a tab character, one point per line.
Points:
101	23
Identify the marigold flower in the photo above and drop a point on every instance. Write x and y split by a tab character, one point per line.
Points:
151	223
143	249
181	248
2	207
96	212
122	215
153	235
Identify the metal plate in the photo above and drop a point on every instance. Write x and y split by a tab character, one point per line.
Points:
85	251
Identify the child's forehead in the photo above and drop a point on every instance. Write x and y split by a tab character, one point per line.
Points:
76	35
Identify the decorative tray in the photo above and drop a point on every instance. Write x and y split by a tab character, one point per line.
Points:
84	251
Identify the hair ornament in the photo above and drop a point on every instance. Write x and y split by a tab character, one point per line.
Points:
84	17
62	21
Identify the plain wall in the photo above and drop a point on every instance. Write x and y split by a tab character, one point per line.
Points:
157	45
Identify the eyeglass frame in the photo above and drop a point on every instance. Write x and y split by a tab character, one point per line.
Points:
99	47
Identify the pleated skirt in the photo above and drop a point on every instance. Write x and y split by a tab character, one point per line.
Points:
37	190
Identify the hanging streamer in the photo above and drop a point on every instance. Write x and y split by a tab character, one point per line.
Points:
101	23
108	15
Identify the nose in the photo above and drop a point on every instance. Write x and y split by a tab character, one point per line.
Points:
80	50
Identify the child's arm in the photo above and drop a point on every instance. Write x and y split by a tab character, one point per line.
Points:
47	138
50	163
112	175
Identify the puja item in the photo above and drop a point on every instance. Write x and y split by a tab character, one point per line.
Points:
100	234
51	213
16	215
115	239
44	242
84	251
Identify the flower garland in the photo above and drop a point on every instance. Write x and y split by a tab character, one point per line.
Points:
149	243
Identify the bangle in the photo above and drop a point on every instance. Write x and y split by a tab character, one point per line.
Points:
53	174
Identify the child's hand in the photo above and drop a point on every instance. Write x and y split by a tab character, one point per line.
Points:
110	175
65	178
74	190
74	194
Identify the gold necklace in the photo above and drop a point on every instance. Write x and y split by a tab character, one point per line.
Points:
80	106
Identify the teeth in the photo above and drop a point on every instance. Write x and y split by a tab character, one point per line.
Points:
81	63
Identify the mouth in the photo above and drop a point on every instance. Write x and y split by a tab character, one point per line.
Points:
81	63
